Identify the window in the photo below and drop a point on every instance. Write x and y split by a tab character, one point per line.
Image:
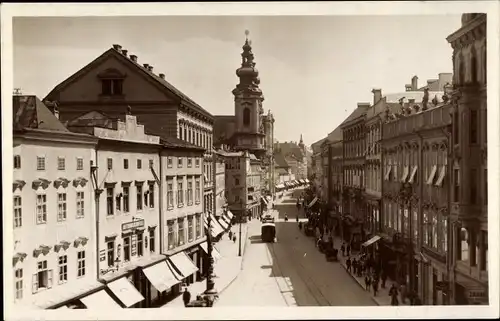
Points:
151	195
151	163
126	249
139	163
18	276
41	209
198	191
61	163
126	199
170	162
110	194
118	200
110	163
246	116
190	192
198	225
140	244
17	164
190	228
80	257
79	164
179	162
171	235
170	194
181	231
197	162
180	132
61	207
456	185
180	196
43	278
63	269
190	162
434	230
112	87
473	185
18	212
152	239
139	197
40	163
110	249
473	127
125	163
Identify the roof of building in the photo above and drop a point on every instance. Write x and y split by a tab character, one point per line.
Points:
87	121
30	113
358	112
119	55
220	128
282	171
316	146
335	135
415	95
280	160
290	149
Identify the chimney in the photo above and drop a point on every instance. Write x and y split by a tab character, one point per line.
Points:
361	105
117	48
133	58
146	66
162	76
444	78
414	83
150	68
124	52
377	95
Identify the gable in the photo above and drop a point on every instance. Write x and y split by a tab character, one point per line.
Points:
85	85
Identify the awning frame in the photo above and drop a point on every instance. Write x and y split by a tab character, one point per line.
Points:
125	291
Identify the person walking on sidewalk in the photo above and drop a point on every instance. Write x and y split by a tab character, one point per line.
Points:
230	235
384	278
375	287
186	296
393	293
355	266
348	264
368	282
348	249
342	248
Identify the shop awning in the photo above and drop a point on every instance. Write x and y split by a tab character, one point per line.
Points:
125	291
215	252
307	181
100	300
216	229
174	271
313	202
64	307
183	263
160	276
65	292
371	241
229	214
226	219
264	199
223	223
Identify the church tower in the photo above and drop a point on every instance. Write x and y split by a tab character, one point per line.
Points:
302	146
249	130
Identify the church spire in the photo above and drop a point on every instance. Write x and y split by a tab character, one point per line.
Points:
247	73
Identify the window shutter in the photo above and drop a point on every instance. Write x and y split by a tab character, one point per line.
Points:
50	275
34	283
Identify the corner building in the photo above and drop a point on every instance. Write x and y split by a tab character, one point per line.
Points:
469	191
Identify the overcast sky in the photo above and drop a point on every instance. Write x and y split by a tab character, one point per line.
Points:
313	69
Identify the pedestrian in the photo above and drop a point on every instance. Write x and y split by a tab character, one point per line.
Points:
342	248
234	238
368	282
355	266
230	235
348	264
393	293
383	278
375	288
186	296
348	249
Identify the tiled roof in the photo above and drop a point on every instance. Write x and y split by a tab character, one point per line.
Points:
316	146
358	112
289	148
335	135
280	160
30	113
139	67
220	128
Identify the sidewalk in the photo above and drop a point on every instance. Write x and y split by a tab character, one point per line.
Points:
226	269
382	297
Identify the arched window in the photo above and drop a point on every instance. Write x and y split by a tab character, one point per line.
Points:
246	116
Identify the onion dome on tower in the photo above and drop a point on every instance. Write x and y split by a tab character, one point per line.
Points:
248	74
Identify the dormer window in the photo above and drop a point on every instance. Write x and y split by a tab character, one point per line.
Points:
111	82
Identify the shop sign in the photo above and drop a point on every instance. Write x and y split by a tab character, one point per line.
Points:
134	244
477	294
102	255
135	224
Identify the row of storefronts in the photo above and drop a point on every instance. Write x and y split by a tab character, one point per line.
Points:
150	282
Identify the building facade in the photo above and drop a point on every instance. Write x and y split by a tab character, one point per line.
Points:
269	168
335	177
469	188
54	261
354	144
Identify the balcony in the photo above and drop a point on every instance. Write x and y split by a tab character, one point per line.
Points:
431	118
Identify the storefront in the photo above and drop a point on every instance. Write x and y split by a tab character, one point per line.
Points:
470	292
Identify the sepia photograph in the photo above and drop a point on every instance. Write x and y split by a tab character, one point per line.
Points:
176	161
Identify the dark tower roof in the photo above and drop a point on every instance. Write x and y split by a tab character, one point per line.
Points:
247	73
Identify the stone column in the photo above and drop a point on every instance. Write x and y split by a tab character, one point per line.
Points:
472	246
